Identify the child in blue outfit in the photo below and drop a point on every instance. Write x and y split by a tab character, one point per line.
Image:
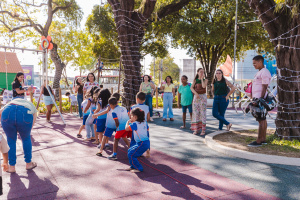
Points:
102	104
92	96
120	117
139	129
140	103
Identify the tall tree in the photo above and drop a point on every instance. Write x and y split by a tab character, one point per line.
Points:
132	17
206	29
282	22
27	14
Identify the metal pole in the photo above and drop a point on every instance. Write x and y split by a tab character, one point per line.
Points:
144	66
99	63
235	37
154	70
119	74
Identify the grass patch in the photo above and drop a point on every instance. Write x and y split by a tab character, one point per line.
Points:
275	146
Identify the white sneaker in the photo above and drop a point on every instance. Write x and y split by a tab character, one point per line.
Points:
151	119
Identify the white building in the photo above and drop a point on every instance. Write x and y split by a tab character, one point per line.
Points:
189	68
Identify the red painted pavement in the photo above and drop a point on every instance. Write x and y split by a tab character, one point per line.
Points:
69	169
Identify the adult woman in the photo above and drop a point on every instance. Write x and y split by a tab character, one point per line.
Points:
79	91
47	100
221	98
18	90
169	95
90	82
199	102
148	88
18	115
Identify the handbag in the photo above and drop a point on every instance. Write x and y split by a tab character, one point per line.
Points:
249	88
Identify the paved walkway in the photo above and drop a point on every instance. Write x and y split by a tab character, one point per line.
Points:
68	168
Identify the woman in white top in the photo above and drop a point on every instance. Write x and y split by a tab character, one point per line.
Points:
90	82
148	88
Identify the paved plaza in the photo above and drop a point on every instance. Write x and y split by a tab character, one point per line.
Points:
181	167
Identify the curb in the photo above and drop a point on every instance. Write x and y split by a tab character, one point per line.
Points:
211	143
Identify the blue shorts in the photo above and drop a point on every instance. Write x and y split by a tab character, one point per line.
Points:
190	107
109	132
100	125
84	119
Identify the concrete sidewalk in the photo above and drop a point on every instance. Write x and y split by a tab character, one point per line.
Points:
68	168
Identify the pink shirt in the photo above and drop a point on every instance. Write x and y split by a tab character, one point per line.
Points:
261	77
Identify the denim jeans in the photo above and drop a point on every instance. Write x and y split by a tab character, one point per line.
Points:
168	104
15	119
80	100
89	126
148	102
219	107
18	97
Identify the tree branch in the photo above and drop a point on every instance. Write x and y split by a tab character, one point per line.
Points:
62	7
29	4
171	8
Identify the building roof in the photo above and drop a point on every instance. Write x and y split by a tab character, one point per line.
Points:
13	64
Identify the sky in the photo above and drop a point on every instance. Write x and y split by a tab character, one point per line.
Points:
28	58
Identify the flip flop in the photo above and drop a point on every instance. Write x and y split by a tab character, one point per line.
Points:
99	154
33	165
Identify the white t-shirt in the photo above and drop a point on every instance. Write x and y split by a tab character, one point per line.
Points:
83	106
140	131
73	97
89	85
110	122
120	113
143	107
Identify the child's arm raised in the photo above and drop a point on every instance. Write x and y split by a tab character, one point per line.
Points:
102	113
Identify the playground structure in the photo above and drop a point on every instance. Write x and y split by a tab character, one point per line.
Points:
45	46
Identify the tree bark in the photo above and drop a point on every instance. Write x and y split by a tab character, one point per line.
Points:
59	66
283	28
130	25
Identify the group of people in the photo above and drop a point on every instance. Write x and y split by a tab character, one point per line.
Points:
102	115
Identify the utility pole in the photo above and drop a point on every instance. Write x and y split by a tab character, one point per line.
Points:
154	71
99	63
235	37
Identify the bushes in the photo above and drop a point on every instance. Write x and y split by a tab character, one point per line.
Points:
65	106
160	102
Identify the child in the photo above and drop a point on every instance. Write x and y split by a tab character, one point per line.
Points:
73	100
110	124
4	150
140	100
120	118
92	100
85	116
139	129
102	105
185	98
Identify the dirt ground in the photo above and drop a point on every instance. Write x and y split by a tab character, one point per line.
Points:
240	139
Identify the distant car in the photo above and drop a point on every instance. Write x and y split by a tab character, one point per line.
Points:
27	92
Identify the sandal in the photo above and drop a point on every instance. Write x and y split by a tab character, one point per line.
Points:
96	142
182	127
164	119
33	165
229	126
99	154
171	119
195	132
8	171
79	136
203	133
